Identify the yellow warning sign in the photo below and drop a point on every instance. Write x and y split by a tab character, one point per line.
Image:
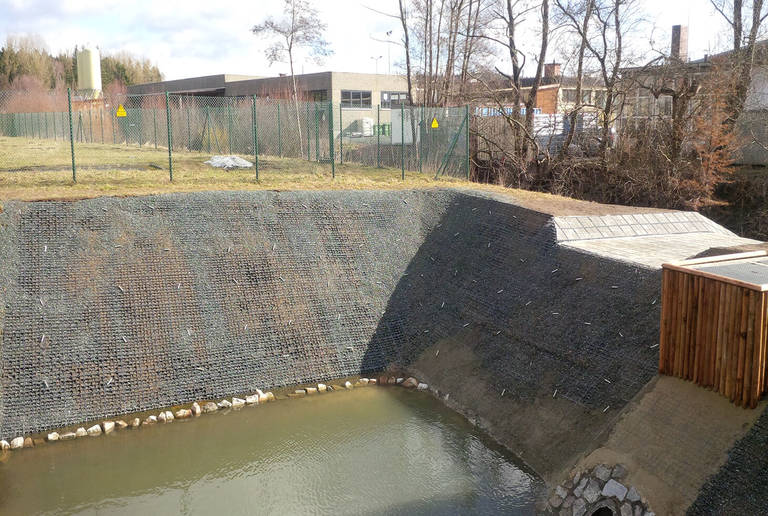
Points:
435	125
121	111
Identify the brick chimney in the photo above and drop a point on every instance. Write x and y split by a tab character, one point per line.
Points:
552	70
679	49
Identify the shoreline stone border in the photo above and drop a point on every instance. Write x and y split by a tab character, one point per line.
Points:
196	409
586	492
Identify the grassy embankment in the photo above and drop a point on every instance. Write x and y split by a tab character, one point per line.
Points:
34	170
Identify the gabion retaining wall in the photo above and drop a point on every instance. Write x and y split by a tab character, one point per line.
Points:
112	305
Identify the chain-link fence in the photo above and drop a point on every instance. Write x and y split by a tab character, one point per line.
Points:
62	131
430	140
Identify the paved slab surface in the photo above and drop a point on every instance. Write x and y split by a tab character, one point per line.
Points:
652	251
634	224
646	239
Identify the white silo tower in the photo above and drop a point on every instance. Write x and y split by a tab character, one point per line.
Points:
89	72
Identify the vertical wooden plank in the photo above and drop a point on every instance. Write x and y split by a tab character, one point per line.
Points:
749	348
673	322
682	323
728	340
714	296
707	333
761	376
687	279
740	343
721	307
699	342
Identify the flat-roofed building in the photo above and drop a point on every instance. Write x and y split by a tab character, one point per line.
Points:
363	98
345	89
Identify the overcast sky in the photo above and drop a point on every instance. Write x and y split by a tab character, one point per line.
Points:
192	37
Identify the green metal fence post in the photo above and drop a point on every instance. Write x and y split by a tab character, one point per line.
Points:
341	135
330	138
71	135
402	140
154	124
466	118
378	136
280	132
141	125
55	135
113	123
101	124
90	124
255	137
170	136
46	125
421	130
317	132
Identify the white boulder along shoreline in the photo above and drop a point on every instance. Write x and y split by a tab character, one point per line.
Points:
196	409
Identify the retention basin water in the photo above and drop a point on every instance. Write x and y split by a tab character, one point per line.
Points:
365	451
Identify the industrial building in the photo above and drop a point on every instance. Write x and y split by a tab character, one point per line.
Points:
358	95
350	90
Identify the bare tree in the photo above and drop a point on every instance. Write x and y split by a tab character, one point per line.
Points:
664	76
407	45
744	47
530	102
613	19
512	16
578	16
299	28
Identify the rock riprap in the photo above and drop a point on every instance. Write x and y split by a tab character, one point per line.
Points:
588	491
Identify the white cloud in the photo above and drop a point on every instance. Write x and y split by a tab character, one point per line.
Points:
197	37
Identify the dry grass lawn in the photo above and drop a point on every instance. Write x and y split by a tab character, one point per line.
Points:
34	170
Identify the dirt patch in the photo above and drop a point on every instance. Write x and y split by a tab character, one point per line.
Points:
719	251
549	433
672	438
557	205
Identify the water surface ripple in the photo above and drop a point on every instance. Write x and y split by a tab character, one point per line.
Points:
366	451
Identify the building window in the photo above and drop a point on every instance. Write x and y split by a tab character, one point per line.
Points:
318	95
586	97
355	99
600	98
393	99
644	106
569	95
665	105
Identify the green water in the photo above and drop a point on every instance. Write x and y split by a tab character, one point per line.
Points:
367	451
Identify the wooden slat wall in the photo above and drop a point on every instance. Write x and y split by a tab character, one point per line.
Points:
713	333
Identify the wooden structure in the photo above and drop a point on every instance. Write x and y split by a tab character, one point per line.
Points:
713	324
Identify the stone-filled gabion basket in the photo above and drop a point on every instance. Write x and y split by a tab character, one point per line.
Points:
597	491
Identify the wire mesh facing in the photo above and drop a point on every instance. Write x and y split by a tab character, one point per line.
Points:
52	131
